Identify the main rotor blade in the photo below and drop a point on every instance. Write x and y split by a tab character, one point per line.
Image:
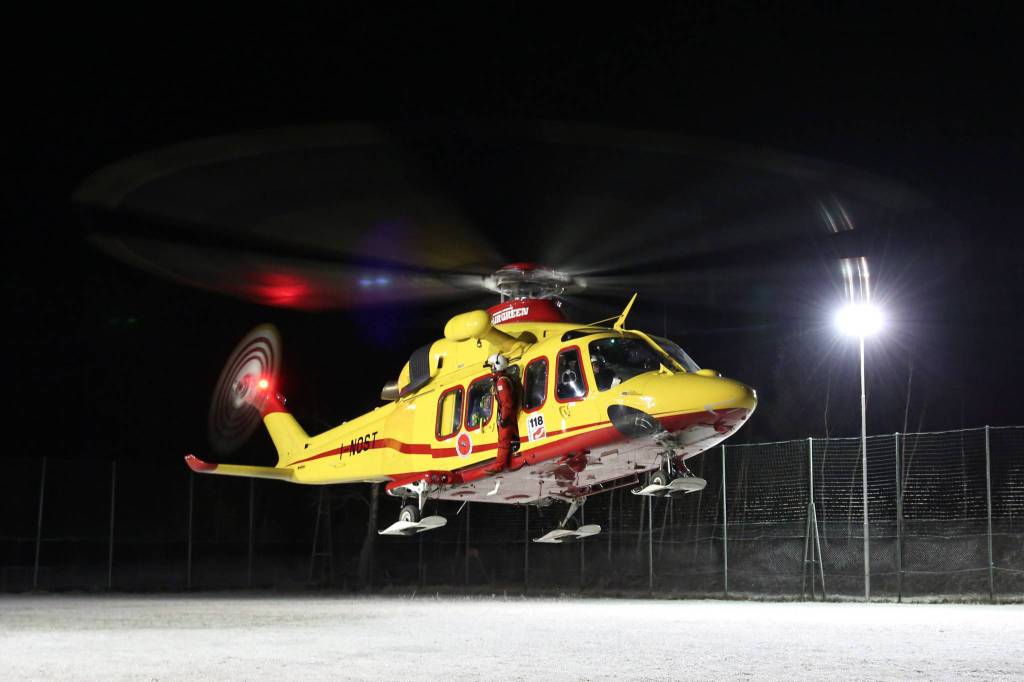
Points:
327	210
345	195
281	281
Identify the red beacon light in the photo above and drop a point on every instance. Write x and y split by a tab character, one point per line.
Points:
263	384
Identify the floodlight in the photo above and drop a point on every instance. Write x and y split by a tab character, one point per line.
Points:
860	319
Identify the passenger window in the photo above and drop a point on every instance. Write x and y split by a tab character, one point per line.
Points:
535	386
479	403
449	412
571	384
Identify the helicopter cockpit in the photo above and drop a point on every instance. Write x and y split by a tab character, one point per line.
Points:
615	359
618	359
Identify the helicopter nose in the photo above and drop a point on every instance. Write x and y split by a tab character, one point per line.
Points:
703	407
707	393
729	394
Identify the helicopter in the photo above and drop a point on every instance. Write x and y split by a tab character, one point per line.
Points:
342	216
601	407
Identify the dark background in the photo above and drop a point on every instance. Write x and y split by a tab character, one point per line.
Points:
109	362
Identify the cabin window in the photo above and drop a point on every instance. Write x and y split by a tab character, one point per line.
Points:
535	385
571	383
479	403
449	412
620	359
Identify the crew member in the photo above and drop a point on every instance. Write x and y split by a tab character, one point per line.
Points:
504	392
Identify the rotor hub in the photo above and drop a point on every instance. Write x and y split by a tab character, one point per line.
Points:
518	281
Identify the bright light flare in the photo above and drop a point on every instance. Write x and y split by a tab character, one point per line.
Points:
860	319
263	384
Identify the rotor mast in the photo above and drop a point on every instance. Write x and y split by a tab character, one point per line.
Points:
529	293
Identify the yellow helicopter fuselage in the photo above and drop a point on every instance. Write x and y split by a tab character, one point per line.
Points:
584	423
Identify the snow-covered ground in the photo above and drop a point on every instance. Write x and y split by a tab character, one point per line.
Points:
280	637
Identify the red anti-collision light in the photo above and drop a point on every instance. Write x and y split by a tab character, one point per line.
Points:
522	267
263	384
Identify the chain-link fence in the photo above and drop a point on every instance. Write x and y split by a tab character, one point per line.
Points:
945	520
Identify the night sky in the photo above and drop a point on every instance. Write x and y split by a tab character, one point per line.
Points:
111	362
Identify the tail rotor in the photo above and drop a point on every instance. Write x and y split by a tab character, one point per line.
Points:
247	381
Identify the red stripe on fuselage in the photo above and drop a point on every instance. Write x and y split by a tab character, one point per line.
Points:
423	448
537	453
404	448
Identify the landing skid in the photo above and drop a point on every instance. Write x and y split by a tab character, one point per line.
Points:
563	534
408	528
560	535
683	484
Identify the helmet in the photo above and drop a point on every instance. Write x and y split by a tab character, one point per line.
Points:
498	362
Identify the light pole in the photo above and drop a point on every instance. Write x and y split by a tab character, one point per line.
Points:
861	320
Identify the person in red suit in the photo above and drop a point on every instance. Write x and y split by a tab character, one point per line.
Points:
504	393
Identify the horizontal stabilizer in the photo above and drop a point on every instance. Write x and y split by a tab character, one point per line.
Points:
245	471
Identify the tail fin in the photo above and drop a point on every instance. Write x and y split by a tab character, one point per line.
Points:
289	438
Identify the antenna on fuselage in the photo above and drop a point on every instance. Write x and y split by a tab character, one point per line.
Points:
622	318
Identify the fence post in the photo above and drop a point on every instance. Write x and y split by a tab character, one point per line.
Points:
650	544
466	566
864	475
812	535
611	528
988	499
113	500
39	525
252	534
725	530
420	573
808	551
807	526
188	563
583	566
899	522
526	548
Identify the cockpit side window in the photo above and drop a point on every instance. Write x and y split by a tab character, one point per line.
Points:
570	381
619	359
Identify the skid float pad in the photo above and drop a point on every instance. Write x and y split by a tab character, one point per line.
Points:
413	527
685	484
566	535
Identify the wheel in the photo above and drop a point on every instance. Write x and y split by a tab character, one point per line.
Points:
410	513
658	477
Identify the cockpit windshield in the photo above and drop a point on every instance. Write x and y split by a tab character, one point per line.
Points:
619	359
677	353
